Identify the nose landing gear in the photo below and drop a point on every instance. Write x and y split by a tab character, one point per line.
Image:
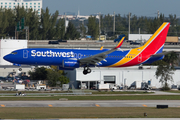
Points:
86	70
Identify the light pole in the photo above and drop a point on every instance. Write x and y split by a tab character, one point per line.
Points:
129	23
99	25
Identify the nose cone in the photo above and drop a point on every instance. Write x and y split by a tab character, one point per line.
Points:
7	58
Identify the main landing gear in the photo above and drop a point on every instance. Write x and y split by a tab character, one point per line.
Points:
86	70
141	66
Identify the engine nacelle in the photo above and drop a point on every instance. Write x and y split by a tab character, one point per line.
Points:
70	64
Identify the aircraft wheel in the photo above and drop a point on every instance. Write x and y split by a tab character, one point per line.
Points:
89	70
85	72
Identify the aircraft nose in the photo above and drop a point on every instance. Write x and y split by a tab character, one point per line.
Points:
7	57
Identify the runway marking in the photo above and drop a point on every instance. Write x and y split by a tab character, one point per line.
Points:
2	105
145	105
97	105
50	105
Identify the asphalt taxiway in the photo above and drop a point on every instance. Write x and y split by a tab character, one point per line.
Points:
91	103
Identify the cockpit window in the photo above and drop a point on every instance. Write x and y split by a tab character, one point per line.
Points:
14	53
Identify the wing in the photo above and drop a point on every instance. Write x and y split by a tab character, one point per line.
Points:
95	59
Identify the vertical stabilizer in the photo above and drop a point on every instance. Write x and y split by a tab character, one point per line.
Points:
156	43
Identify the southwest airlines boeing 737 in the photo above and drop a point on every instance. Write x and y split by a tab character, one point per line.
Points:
69	59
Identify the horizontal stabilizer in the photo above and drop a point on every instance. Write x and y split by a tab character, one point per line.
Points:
161	54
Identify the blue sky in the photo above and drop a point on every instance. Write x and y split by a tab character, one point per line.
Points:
123	7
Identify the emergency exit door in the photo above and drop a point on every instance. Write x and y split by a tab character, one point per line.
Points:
25	53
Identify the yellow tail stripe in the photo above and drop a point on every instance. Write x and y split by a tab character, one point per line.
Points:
102	48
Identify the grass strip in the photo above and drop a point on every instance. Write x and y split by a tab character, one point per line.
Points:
174	91
122	97
123	92
83	112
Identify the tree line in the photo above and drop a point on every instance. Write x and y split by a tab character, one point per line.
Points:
145	24
55	77
43	27
47	26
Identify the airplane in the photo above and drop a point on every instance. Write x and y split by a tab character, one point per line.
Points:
69	59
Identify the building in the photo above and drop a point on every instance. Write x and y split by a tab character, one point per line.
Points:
142	37
123	76
35	5
72	16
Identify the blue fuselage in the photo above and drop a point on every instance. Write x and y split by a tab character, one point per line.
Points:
42	56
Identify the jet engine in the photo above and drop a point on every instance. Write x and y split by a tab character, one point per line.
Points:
70	64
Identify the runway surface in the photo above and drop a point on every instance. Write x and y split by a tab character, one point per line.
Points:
105	119
91	103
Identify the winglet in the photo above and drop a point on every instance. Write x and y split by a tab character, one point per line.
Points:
120	43
102	48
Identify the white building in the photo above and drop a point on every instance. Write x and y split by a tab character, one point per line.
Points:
35	5
124	76
142	37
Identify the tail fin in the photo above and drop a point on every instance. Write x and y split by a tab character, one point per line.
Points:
102	48
156	43
120	43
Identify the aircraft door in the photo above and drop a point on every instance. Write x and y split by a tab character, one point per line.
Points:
140	58
25	53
